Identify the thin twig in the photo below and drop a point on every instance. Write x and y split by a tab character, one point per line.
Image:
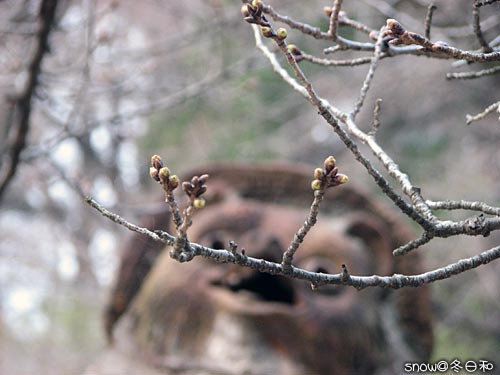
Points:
328	62
476	25
464	205
369	76
469	119
166	238
480	3
298	238
473	75
422	240
316	32
376	118
428	20
346	21
334	20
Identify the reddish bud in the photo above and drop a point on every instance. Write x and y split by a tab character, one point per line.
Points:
153	172
156	162
395	27
329	163
244	11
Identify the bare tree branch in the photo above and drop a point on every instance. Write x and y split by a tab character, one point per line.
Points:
469	119
428	20
476	25
473	75
316	279
22	106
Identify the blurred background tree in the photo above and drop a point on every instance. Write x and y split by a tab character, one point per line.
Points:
121	80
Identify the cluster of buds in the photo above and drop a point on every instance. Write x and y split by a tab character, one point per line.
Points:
253	13
161	174
194	189
398	35
328	176
268	32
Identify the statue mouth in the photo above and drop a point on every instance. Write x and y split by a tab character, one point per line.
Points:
261	288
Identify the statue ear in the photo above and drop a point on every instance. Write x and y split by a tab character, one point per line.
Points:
414	323
377	240
136	259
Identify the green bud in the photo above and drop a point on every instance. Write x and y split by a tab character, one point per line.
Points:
266	31
173	181
281	33
343	178
257	3
340	179
316	185
164	173
319	173
199	203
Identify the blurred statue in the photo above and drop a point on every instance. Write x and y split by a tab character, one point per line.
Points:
204	318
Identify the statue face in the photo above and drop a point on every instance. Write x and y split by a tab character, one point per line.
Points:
233	320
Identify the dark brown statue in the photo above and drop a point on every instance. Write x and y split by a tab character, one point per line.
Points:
205	318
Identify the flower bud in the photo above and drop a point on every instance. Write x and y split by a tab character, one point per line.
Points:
173	181
244	11
281	33
266	31
329	163
328	11
257	3
294	49
395	27
156	162
316	185
334	171
199	203
202	190
319	173
204	178
340	179
163	173
153	172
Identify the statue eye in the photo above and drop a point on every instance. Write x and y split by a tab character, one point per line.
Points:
217	244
